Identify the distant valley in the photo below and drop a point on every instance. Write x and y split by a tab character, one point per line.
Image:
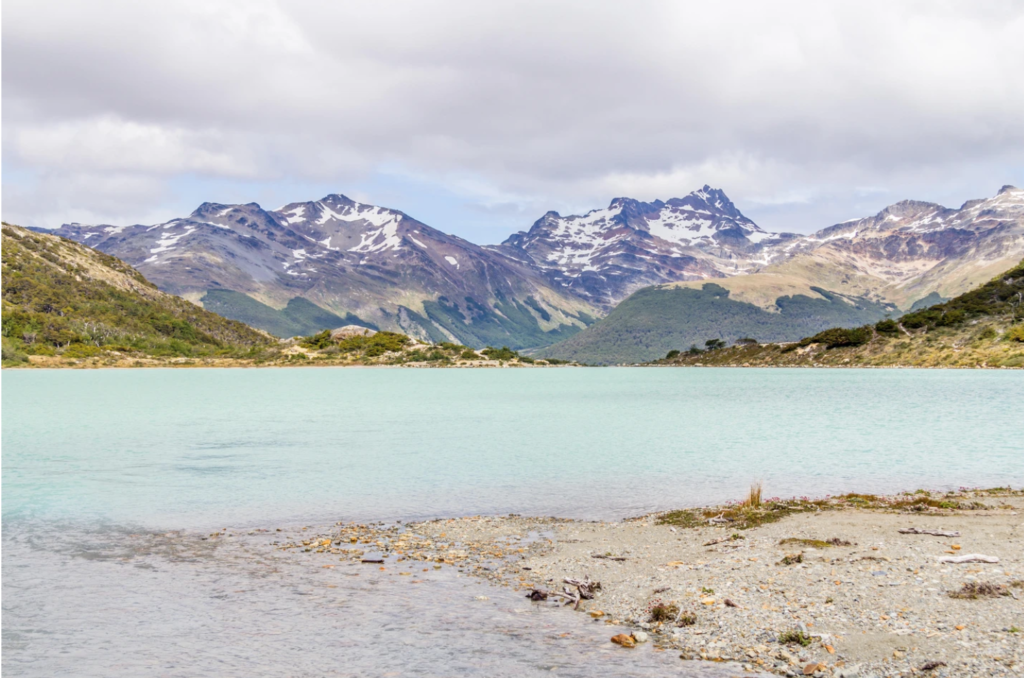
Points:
335	261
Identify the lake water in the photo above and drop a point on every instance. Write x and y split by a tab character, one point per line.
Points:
110	476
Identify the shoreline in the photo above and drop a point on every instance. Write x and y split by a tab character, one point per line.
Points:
811	587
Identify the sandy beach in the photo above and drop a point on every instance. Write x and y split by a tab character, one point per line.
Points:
827	587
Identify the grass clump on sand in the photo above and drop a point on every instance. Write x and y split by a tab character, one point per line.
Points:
664	612
794	638
792	559
975	590
816	543
755	511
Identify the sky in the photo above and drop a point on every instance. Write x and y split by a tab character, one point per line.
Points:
478	117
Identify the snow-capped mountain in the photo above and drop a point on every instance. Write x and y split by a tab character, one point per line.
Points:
384	268
912	249
377	264
606	254
901	254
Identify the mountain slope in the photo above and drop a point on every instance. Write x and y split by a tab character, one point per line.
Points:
904	253
371	265
655	320
980	328
607	254
845	275
62	298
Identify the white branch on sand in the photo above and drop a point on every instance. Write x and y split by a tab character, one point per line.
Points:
969	558
934	533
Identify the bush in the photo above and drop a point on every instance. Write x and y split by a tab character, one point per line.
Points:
1015	333
503	353
887	326
81	351
713	344
671	354
374	346
838	336
693	350
469	354
317	341
11	354
746	341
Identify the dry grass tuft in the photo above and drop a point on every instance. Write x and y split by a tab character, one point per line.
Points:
754	497
974	590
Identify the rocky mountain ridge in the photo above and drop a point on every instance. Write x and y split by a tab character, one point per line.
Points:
380	267
372	265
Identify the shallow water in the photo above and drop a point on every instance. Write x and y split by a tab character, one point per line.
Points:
98	466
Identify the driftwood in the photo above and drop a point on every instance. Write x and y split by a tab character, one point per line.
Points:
969	558
372	560
602	557
934	533
584	591
719	519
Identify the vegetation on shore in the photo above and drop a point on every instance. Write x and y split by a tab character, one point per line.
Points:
656	319
68	305
62	300
980	328
745	515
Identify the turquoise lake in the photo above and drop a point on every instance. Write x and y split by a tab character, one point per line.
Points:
110	477
184	448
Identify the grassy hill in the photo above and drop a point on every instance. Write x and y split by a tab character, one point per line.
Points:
63	299
299	318
980	328
655	320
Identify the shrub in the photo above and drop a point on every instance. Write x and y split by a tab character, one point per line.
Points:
887	326
503	353
671	354
662	612
693	350
1015	333
317	341
838	336
81	351
746	341
794	638
712	344
469	354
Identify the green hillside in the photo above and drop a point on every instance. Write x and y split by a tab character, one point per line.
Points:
61	298
299	318
980	328
655	320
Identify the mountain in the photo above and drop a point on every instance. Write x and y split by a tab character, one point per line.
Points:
902	254
655	320
312	265
359	263
607	254
980	328
911	253
61	298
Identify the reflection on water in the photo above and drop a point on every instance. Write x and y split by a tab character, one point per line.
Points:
118	603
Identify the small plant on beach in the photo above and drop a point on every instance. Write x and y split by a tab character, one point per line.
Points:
706	591
974	590
754	496
663	612
794	638
1013	629
686	619
792	559
815	543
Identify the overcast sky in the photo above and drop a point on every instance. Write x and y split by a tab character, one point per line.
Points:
477	117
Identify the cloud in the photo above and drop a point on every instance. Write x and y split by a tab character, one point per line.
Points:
546	105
